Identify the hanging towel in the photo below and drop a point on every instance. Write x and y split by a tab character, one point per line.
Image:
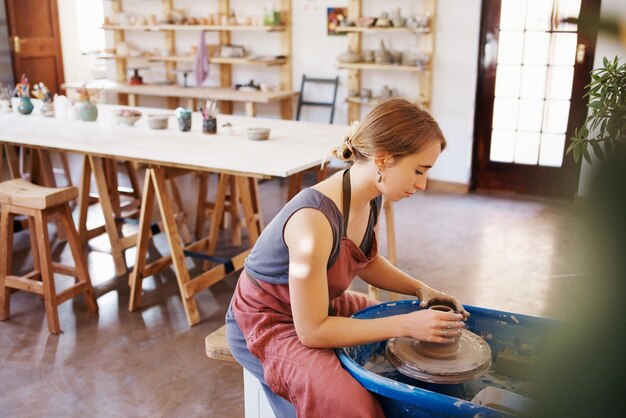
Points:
201	62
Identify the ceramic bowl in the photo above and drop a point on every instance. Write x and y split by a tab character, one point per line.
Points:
258	134
158	121
127	117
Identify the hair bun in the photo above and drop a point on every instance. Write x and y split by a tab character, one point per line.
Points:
346	152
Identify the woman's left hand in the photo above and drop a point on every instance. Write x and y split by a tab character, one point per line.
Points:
427	294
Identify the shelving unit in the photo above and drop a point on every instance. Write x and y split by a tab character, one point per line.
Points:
355	39
172	60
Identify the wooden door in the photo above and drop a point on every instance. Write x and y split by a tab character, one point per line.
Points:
533	67
36	42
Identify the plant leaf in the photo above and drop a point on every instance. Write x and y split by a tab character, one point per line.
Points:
577	152
597	150
586	155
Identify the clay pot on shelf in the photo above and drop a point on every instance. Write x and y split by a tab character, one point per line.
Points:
349	57
364	22
383	21
382	55
368	56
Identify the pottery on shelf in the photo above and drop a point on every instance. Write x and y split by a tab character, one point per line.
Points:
349	57
383	21
368	56
382	55
364	22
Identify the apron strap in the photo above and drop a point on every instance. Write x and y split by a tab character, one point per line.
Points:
347	191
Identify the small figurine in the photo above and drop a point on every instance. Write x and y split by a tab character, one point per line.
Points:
40	91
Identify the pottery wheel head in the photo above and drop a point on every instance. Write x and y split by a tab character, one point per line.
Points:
472	359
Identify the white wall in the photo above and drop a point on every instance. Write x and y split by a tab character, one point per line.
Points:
314	54
78	67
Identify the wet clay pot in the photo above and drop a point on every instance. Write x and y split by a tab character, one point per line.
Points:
439	350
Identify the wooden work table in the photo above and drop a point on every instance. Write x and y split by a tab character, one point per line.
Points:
292	148
249	98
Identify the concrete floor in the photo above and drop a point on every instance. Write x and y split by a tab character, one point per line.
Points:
503	253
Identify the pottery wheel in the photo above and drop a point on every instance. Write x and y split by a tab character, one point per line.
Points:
472	359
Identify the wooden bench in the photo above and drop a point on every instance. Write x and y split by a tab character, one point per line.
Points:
217	346
256	404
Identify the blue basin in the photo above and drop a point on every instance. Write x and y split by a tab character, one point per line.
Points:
401	396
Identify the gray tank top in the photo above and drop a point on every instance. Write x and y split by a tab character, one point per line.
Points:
269	259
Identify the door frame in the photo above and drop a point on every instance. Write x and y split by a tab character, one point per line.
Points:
518	176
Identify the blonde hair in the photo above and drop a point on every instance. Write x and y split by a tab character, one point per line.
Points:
396	127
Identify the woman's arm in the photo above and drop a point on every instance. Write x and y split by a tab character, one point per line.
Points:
384	275
309	238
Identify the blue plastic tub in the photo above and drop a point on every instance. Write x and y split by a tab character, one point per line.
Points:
401	396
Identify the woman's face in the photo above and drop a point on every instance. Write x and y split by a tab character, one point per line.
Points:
403	177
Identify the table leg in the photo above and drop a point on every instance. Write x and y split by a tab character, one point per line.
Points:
248	209
286	109
173	239
117	250
12	161
143	237
250	109
218	210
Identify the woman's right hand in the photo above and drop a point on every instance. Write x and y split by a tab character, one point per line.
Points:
433	326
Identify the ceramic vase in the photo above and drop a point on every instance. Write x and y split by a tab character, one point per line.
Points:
88	112
26	106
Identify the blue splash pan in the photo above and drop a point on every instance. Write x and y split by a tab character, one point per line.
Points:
401	396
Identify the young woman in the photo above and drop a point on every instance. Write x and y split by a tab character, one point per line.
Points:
290	307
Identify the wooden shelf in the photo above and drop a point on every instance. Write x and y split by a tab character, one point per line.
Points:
111	56
248	61
216	28
374	101
372	29
174	58
355	35
382	67
221	60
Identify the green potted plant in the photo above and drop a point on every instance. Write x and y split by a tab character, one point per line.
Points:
605	127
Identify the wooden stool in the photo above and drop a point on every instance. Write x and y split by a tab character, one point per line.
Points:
216	346
18	197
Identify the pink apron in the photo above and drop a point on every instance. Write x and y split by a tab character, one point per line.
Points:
312	379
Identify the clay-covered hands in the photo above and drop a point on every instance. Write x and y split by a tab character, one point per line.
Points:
433	326
427	295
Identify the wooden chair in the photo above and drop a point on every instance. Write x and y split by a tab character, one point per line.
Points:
40	204
334	82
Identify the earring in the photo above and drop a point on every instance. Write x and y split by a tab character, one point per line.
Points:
380	177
